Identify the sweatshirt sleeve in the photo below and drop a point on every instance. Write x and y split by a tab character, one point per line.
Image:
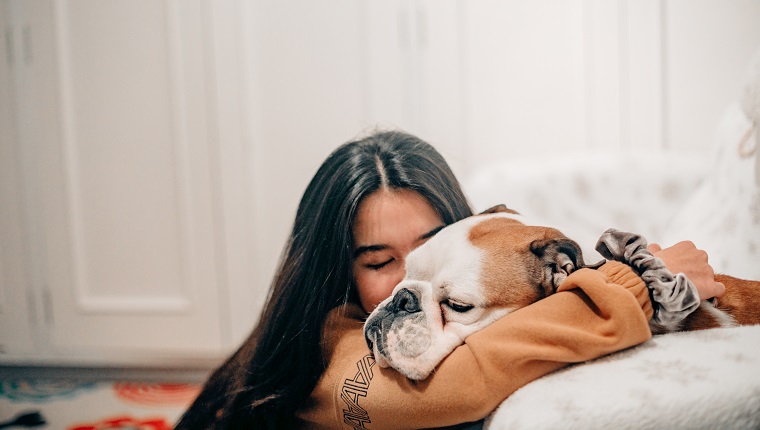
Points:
594	312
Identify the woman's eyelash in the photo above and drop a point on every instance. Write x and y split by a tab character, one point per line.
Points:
379	266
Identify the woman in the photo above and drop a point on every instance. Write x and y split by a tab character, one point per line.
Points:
369	204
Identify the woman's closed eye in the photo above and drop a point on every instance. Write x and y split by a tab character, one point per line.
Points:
379	266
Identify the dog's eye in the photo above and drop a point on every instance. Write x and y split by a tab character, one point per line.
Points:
458	307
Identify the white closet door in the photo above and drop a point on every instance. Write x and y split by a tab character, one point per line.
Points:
414	70
17	314
128	185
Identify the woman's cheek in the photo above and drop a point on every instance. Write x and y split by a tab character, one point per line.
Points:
366	287
374	286
385	283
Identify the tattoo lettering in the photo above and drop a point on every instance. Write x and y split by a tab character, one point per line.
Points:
355	389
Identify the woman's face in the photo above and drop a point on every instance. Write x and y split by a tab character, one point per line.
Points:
389	224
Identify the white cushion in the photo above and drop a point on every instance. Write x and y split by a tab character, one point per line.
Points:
698	380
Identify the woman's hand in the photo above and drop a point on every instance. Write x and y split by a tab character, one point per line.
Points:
684	257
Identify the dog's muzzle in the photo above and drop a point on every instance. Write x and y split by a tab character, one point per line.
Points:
403	304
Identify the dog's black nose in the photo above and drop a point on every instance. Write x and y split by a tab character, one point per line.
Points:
368	334
373	330
405	301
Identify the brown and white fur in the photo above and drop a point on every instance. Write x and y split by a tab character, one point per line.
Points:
486	266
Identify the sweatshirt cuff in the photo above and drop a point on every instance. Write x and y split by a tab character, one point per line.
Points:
622	274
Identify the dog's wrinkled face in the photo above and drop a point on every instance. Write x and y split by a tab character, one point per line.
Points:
461	280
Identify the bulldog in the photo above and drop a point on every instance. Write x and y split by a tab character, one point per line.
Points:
483	267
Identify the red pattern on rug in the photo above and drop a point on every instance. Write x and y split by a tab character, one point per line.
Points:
156	394
124	422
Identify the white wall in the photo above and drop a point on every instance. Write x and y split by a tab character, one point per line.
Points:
707	45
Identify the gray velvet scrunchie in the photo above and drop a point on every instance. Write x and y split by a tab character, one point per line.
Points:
673	297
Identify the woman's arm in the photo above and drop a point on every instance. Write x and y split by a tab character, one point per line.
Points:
595	313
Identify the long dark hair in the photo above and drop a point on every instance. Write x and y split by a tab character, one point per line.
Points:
277	367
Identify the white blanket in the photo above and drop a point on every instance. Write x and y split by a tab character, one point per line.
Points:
699	380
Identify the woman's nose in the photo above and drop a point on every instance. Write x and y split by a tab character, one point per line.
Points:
399	275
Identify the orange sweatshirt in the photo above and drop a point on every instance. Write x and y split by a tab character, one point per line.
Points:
594	312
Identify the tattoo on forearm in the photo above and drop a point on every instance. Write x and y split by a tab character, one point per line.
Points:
353	390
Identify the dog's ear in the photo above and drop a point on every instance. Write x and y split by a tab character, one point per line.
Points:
499	209
558	257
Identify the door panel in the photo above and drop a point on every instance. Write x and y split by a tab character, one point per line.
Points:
128	184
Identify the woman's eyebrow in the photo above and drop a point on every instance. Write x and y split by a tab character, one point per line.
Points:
373	248
369	248
431	233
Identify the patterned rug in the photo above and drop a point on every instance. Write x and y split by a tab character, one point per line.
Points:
87	405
